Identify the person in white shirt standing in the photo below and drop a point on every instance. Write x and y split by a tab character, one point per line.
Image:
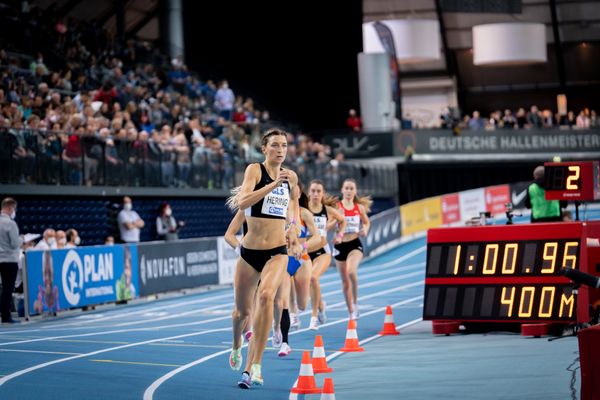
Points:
130	222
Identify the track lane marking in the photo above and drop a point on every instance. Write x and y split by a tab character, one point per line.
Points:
16	374
150	390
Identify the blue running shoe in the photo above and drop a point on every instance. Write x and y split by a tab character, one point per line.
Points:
245	382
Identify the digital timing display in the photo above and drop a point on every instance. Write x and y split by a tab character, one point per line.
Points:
562	177
575	180
514	280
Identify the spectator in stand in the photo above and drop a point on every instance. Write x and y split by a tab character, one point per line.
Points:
107	93
583	119
521	118
548	119
534	119
61	239
10	243
109	240
594	122
48	241
353	121
73	239
130	222
167	227
224	101
508	119
476	122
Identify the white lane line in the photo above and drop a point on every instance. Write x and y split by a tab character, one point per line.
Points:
123	313
16	374
111	332
371	338
149	392
38	351
26	331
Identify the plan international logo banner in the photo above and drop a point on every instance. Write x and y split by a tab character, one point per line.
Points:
70	278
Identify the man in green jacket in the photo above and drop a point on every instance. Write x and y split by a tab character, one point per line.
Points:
542	210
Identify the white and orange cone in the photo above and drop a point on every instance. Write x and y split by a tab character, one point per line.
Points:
351	344
389	328
319	361
328	392
306	379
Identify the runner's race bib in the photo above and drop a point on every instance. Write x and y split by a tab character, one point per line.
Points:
276	203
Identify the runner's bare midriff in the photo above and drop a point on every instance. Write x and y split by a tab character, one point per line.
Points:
264	233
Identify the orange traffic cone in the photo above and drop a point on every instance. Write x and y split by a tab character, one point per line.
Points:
319	362
306	379
328	392
389	328
294	396
351	338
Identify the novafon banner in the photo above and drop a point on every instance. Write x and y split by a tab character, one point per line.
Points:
70	278
496	198
177	265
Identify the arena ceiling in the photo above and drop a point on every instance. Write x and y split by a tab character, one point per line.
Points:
572	33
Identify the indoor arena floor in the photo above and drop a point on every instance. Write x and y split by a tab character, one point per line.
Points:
177	347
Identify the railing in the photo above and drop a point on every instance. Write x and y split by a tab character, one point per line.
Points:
29	156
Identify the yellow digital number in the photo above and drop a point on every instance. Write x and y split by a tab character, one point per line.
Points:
526	301
566	302
570	260
457	259
487	269
510	256
573	178
510	301
546	291
550	249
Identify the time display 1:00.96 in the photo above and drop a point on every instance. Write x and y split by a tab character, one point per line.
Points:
518	258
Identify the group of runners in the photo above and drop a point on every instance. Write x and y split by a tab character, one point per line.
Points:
284	251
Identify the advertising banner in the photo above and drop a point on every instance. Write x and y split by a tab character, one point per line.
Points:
361	145
385	227
227	261
518	194
556	141
177	265
421	215
70	278
472	202
450	208
496	198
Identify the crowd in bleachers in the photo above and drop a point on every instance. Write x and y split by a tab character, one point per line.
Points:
521	119
102	112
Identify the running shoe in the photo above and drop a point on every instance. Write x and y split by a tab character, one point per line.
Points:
322	315
285	350
276	339
235	359
356	313
294	322
248	335
256	375
314	324
245	382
